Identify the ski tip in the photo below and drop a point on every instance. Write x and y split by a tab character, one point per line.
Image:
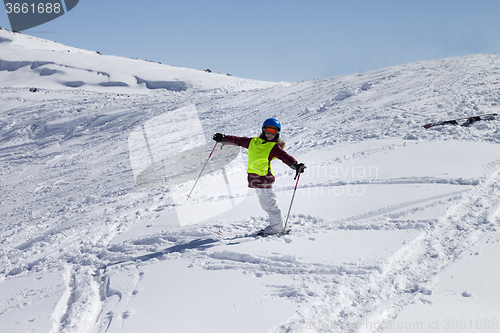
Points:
428	125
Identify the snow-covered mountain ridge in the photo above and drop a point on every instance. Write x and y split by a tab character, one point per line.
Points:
394	226
47	64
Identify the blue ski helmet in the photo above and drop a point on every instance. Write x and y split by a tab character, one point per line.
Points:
272	122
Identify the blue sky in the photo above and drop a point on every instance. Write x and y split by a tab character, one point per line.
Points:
277	40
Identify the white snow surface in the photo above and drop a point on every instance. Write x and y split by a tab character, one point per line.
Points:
394	227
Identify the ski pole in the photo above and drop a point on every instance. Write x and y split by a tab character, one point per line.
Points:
293	196
189	195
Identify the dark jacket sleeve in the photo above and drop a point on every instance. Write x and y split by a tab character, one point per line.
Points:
279	153
237	141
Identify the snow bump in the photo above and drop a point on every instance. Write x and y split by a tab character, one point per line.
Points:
167	85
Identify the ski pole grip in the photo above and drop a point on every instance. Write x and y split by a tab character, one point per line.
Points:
298	171
300	168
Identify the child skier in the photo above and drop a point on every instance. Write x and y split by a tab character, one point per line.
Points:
261	150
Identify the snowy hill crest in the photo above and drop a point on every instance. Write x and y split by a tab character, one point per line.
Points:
46	64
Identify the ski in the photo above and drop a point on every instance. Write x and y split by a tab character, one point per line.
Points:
263	233
467	120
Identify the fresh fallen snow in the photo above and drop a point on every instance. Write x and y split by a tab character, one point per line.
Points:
394	227
464	296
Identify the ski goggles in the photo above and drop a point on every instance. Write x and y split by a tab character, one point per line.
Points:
271	130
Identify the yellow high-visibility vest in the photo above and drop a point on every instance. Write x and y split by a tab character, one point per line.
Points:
258	156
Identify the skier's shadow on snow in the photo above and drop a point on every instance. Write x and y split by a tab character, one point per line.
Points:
198	244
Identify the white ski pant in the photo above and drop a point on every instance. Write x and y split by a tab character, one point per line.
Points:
269	204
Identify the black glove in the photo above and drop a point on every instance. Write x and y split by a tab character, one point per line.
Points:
299	168
219	137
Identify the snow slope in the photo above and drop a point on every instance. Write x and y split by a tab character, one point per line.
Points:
394	227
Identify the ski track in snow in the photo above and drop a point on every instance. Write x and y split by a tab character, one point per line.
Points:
68	190
408	271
